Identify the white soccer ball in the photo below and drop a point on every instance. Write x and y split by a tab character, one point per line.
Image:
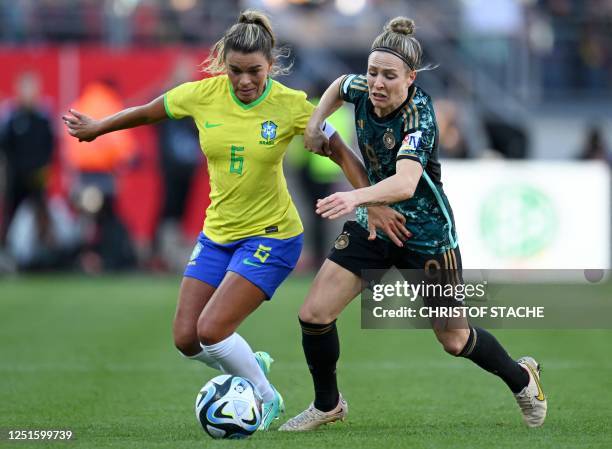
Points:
228	407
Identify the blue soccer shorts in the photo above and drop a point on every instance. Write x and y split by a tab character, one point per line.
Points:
263	261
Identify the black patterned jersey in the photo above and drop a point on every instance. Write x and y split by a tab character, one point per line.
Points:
410	132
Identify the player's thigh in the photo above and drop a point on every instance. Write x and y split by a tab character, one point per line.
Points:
448	330
340	278
193	296
333	289
266	262
234	300
257	267
438	272
203	274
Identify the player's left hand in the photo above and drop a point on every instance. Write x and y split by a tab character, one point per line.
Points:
389	221
337	205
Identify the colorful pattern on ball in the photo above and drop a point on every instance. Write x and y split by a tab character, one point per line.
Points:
228	407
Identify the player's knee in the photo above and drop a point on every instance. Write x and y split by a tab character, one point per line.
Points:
186	341
209	333
453	347
188	349
313	315
452	342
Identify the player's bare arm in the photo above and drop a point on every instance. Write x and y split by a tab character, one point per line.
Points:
348	161
87	129
394	189
314	138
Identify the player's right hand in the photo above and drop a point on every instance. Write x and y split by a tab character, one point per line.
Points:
316	141
389	221
81	126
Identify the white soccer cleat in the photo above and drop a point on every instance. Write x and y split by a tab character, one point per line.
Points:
531	399
311	418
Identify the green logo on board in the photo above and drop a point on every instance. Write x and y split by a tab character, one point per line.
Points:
518	221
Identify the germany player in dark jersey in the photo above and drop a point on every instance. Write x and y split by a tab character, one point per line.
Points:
398	138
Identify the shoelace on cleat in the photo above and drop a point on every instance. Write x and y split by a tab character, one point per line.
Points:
526	400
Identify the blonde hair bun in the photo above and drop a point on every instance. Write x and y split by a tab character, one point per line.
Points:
252	33
251	16
401	25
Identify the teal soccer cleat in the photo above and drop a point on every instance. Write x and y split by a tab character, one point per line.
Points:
264	360
271	410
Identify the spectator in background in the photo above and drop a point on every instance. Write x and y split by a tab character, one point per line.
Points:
595	73
26	139
44	234
507	138
180	157
462	130
595	147
453	142
93	167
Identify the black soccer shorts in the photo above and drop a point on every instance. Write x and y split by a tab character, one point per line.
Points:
353	251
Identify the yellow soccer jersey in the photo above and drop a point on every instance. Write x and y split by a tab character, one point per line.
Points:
244	145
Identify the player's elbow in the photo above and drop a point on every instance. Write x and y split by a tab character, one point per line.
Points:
406	190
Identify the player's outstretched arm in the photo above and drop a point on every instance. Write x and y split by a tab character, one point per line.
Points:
87	129
314	138
396	188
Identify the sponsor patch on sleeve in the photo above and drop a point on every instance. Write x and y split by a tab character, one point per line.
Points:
411	142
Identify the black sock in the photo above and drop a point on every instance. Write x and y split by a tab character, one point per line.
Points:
322	350
484	350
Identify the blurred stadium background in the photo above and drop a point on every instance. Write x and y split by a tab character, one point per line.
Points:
523	97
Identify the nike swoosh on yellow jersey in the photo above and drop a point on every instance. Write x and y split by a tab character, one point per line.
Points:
212	125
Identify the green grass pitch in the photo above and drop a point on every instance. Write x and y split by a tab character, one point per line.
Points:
96	356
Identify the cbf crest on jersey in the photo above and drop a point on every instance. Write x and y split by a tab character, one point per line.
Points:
268	132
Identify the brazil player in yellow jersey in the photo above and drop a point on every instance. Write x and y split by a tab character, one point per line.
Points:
252	235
